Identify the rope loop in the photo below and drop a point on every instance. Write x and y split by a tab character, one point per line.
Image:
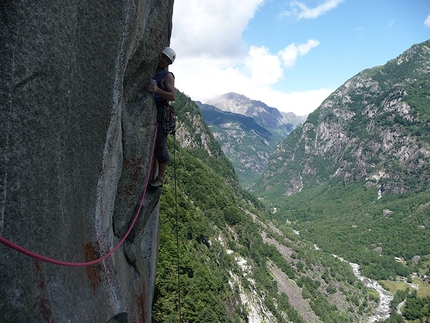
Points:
96	261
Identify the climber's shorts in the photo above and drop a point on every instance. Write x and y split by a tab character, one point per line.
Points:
161	152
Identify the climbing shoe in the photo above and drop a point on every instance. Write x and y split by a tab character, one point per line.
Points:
157	183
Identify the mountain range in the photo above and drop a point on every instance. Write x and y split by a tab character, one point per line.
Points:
222	258
327	220
374	128
248	131
354	178
351	181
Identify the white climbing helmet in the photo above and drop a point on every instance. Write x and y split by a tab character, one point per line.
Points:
170	53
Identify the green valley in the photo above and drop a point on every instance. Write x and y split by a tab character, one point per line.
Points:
350	183
235	265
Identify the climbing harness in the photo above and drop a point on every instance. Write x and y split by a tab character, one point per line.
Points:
169	119
96	261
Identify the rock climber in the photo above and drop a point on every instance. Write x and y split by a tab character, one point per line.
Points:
164	91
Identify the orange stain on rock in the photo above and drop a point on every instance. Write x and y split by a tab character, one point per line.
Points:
93	271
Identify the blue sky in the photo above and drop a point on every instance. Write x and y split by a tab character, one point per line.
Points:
289	54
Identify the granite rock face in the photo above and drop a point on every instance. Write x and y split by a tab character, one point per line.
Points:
76	135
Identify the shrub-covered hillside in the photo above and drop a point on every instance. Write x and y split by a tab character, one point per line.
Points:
234	265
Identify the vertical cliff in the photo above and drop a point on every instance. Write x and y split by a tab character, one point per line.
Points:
76	135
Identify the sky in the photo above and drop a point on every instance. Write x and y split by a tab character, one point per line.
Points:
288	54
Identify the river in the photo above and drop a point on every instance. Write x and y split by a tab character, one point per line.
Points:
385	297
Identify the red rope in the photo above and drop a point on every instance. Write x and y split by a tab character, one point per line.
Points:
96	261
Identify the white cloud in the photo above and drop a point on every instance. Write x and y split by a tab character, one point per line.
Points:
303	11
265	68
305	48
300	103
204	78
427	21
213	59
291	52
211	28
289	55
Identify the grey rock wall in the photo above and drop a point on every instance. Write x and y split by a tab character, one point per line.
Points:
76	135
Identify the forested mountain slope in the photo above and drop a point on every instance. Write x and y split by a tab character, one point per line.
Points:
375	128
247	130
247	144
234	264
354	178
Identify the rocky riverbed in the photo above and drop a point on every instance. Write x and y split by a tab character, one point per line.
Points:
385	297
